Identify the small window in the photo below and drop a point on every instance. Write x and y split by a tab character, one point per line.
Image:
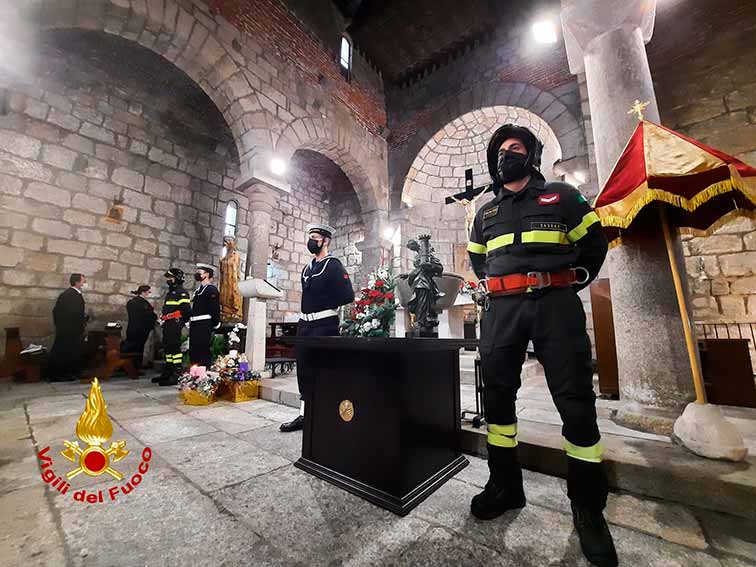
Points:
230	223
345	57
231	210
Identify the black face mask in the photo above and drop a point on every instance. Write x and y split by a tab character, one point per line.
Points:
314	246
512	166
198	277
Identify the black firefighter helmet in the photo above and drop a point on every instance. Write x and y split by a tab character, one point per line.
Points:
176	273
532	143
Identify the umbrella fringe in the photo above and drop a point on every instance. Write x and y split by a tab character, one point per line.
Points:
690	205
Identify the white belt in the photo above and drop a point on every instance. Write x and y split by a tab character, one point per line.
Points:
200	317
318	315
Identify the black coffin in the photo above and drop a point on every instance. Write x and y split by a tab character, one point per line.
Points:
401	442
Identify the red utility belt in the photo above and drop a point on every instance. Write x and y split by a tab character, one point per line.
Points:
172	315
521	283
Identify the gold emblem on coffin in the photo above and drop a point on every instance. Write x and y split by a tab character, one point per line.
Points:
94	428
346	410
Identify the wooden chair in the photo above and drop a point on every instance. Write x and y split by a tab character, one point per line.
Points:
114	359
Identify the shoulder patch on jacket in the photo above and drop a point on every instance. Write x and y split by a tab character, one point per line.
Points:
492	212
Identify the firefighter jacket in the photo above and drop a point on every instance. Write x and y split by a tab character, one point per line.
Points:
177	299
545	227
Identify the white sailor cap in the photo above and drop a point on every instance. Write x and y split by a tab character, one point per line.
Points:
322	229
206	267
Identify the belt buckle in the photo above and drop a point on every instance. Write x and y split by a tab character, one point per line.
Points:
540	279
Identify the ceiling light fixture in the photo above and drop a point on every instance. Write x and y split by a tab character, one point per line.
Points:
545	32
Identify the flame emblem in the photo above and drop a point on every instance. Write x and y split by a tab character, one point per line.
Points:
94	428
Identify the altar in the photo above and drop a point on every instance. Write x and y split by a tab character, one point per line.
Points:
382	417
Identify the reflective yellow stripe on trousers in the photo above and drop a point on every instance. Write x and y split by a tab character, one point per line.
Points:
591	454
502	435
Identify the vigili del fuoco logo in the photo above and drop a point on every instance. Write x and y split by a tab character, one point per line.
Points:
93	429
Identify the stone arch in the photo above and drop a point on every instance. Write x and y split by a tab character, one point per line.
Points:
206	47
439	167
338	146
528	97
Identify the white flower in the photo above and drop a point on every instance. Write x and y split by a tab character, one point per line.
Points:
376	323
360	315
366	327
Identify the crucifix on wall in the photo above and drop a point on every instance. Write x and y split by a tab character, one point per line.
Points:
468	198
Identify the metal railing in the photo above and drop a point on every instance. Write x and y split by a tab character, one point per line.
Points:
725	330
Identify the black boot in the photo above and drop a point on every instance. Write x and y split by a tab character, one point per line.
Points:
504	489
172	378
295	425
587	488
167	371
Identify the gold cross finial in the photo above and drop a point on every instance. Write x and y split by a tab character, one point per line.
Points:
638	108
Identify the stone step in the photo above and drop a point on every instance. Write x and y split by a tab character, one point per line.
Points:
640	466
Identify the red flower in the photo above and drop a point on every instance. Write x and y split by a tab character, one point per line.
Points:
472	285
379	283
375	294
389	296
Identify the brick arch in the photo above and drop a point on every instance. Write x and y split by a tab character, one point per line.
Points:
207	48
527	97
326	138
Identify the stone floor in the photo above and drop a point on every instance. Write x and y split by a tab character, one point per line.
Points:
221	490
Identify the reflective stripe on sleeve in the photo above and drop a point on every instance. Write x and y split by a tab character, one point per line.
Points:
582	229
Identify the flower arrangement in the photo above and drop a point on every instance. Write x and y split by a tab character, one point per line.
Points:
238	382
233	335
373	313
198	386
468	288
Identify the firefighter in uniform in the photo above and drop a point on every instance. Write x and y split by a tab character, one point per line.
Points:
325	287
176	311
205	316
534	245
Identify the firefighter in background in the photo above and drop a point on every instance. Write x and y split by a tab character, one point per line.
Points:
176	312
205	316
535	245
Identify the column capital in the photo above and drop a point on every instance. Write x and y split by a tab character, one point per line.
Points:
262	197
585	20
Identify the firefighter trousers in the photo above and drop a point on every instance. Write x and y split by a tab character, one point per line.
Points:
172	341
555	321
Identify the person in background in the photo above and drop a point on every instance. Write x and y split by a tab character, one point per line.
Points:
70	320
205	316
325	287
176	311
142	319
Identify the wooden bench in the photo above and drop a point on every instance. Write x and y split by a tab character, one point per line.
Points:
285	364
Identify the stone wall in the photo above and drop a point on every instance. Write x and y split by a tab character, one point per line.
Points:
712	98
92	130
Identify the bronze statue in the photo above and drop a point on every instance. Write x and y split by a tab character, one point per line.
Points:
424	288
230	297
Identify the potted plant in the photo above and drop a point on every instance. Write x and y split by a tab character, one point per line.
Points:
373	313
198	387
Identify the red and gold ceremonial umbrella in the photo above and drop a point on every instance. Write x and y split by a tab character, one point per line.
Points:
698	188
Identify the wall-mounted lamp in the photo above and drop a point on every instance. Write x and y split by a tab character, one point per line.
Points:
115	212
277	166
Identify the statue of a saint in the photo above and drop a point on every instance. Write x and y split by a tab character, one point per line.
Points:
425	290
230	297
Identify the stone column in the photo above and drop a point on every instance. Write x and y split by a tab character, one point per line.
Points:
262	201
373	248
605	38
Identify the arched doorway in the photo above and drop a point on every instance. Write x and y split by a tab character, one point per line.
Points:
320	192
108	124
